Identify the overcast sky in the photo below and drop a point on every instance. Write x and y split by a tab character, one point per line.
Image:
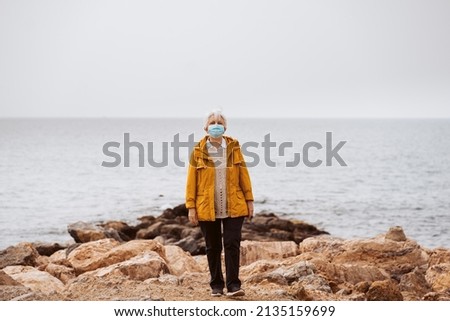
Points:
144	58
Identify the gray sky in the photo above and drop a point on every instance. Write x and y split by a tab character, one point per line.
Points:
381	58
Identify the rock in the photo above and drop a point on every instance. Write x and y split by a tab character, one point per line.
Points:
94	255
252	251
352	273
150	232
72	247
386	290
180	210
172	230
298	291
315	282
396	258
195	233
372	259
89	256
271	221
20	254
168	214
146	221
59	258
269	227
284	274
330	245
160	240
5	279
47	249
257	268
263	279
304	230
83	232
180	261
191	245
396	234
34	279
294	272
438	276
41	262
140	267
281	235
61	272
414	283
125	231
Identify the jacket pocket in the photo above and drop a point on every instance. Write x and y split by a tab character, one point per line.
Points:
239	205
202	206
240	193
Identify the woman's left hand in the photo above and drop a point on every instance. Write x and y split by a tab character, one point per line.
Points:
250	209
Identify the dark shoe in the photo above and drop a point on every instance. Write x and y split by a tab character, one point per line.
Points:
216	292
236	292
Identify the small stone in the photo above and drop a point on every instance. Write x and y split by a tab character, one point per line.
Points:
396	234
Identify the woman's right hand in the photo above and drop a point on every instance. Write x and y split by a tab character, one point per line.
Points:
193	218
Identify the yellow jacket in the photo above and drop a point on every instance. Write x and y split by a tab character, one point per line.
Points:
201	180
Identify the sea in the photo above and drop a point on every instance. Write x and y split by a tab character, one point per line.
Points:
354	178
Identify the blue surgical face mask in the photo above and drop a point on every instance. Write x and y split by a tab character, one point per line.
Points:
216	130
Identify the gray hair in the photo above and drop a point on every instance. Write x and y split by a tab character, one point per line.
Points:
217	113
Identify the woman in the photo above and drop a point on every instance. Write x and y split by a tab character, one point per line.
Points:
219	194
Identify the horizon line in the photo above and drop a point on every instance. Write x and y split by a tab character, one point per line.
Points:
230	117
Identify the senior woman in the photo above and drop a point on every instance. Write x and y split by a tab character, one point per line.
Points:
219	196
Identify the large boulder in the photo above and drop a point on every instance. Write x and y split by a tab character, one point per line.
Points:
395	257
140	267
94	255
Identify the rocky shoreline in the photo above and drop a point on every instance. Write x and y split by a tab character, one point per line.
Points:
163	258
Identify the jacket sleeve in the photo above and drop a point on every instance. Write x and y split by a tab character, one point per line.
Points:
244	179
191	184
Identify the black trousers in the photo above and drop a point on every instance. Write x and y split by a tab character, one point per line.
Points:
212	232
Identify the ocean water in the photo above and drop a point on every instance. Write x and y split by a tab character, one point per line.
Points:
397	174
